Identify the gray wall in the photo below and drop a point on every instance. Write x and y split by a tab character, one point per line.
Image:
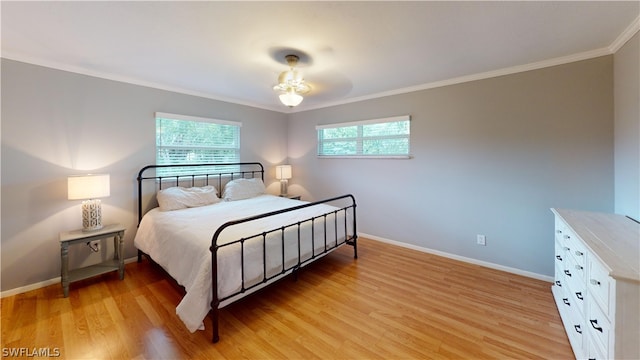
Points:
56	123
490	157
627	128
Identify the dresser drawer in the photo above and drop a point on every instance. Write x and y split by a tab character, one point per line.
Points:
576	334
568	304
577	249
559	278
594	352
575	292
575	274
571	320
561	238
600	285
560	253
598	327
571	285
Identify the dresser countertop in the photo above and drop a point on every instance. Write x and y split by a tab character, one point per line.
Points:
613	238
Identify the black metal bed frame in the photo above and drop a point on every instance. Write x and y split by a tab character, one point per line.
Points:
251	170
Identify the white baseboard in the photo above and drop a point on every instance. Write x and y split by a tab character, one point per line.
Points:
41	284
461	258
24	289
529	274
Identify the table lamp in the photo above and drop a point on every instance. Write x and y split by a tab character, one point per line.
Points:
89	188
283	173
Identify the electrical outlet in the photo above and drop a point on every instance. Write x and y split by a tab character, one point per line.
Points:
481	240
94	245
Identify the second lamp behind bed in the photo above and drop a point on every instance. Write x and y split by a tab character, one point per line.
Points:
283	173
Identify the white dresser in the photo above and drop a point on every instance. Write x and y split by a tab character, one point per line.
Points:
597	283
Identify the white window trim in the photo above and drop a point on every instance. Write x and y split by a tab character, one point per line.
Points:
364	122
195	118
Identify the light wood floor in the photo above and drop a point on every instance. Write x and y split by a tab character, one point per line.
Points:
391	303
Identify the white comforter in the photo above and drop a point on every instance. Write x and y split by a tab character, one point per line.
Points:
179	241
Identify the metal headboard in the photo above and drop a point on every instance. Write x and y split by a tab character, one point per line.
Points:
217	174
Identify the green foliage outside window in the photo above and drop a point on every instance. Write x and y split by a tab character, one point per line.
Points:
180	141
367	138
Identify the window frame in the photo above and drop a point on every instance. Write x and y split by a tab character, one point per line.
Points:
360	137
169	116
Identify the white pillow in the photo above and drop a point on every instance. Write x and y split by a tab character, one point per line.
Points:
243	189
176	198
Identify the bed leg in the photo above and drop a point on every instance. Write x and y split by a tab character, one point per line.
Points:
354	242
139	256
214	321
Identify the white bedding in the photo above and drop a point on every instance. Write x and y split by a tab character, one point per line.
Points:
179	241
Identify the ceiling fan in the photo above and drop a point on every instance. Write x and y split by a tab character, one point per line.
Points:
291	84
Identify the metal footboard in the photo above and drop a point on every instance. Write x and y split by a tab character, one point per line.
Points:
343	217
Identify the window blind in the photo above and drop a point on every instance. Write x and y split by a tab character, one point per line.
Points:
182	139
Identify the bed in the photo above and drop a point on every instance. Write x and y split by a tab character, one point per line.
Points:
221	237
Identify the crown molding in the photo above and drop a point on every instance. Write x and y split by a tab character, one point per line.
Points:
480	76
627	34
126	79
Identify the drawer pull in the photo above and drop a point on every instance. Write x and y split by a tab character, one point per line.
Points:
558	283
566	248
594	282
566	301
579	253
567	237
579	295
578	330
578	267
594	324
559	257
559	231
566	272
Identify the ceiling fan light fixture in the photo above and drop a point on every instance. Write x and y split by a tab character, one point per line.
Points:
290	77
291	84
291	98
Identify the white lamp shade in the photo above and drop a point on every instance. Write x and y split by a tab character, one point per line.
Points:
291	99
283	172
88	186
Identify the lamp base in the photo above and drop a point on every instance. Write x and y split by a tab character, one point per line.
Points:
91	215
284	183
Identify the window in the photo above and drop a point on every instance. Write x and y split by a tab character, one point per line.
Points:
388	138
184	139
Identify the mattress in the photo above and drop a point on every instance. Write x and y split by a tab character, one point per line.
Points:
179	241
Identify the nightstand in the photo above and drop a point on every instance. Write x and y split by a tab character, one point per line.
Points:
289	196
81	237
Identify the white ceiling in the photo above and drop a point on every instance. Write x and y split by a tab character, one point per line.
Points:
234	51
